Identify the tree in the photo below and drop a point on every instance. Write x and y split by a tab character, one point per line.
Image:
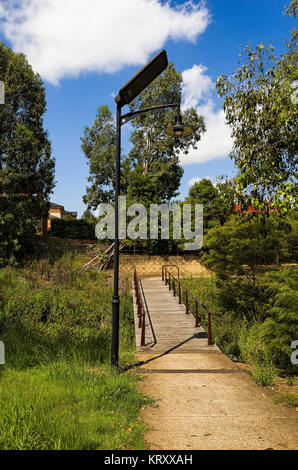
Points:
155	155
238	253
262	114
239	248
291	9
204	192
87	215
151	173
26	164
99	147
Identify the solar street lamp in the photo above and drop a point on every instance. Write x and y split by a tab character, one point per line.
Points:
127	93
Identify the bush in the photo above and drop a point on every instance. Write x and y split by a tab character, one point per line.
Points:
291	237
56	389
252	348
79	229
244	247
281	326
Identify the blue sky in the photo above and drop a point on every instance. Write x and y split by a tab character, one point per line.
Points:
86	50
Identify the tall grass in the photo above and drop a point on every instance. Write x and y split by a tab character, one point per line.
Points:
56	389
64	405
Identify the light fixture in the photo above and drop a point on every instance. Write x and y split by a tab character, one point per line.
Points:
178	129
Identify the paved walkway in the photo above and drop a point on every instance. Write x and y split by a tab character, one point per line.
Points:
203	400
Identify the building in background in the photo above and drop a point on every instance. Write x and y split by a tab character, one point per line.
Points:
58	211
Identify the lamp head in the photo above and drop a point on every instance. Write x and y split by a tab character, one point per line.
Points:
179	129
142	78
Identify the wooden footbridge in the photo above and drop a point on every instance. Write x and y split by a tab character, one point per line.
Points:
168	316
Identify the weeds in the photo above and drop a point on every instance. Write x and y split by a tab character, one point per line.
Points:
264	374
288	399
57	390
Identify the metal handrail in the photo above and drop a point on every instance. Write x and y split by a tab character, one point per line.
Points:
140	306
188	294
148	314
164	270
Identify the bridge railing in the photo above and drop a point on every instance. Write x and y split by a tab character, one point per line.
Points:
140	306
185	297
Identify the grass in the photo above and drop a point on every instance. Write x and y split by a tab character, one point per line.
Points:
66	406
56	389
288	399
264	374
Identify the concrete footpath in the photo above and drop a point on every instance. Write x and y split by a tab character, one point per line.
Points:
205	401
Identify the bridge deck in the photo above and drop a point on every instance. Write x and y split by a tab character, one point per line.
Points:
174	330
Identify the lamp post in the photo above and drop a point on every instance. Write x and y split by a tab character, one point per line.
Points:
127	93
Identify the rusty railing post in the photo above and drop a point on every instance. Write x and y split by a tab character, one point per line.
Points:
186	302
209	330
140	307
143	328
179	292
197	315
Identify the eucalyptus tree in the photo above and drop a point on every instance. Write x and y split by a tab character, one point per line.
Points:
26	164
151	172
154	155
260	103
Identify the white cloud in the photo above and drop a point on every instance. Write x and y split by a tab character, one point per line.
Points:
196	85
216	142
196	179
193	180
67	37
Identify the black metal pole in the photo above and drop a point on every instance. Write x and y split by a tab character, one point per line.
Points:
116	300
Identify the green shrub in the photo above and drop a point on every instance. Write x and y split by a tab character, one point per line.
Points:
225	331
258	323
252	348
281	326
291	237
80	229
243	247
